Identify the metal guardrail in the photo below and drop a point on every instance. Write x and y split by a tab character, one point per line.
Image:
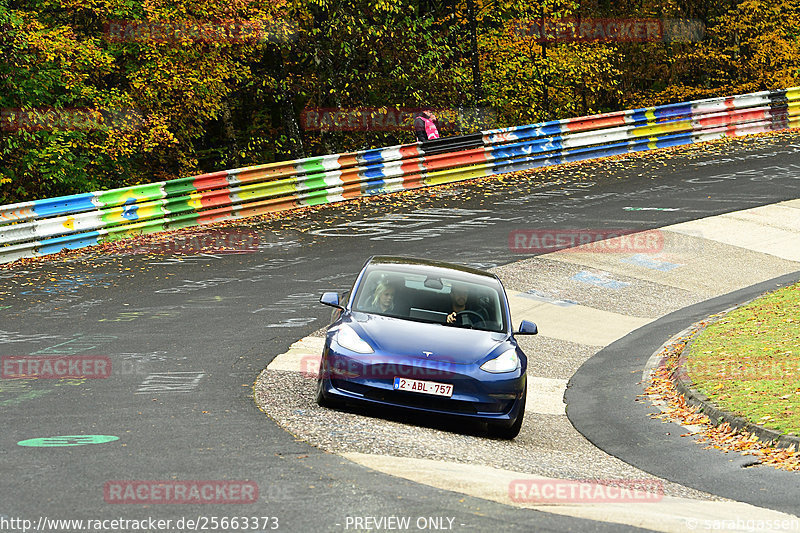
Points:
51	225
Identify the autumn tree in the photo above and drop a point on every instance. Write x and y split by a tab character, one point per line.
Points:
97	94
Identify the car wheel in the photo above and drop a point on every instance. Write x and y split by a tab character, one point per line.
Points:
322	401
511	431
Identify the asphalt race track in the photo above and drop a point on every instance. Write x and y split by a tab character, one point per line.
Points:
186	337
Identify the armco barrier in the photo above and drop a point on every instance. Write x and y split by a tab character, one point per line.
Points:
48	226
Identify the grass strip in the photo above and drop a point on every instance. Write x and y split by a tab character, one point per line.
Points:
748	362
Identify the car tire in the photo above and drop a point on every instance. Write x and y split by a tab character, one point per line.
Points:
322	401
510	432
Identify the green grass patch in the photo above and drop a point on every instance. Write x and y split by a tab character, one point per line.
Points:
748	362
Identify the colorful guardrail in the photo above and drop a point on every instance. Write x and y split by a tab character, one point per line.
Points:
51	225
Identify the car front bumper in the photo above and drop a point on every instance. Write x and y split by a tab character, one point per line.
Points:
476	394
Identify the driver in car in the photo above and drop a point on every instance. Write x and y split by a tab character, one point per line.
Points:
461	314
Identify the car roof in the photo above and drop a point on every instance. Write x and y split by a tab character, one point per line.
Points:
426	264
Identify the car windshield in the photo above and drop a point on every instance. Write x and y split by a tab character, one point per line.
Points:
432	296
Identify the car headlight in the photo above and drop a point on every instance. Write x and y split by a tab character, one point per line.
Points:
505	362
349	339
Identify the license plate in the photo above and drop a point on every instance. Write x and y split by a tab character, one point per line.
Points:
425	387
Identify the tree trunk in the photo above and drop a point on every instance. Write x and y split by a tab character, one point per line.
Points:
290	126
230	134
477	86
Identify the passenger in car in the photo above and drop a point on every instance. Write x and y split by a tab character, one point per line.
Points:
383	298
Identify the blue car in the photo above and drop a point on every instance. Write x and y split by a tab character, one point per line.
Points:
427	336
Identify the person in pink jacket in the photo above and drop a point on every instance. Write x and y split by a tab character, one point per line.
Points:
425	126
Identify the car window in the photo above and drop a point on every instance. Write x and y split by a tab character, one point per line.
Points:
426	298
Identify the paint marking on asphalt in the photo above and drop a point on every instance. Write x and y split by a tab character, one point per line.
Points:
651	208
170	382
67	440
650	262
539	296
601	279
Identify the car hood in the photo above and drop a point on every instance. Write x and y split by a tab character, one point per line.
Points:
411	339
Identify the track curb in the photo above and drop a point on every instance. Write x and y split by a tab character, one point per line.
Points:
684	384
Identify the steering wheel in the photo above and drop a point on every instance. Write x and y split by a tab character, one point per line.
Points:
469	312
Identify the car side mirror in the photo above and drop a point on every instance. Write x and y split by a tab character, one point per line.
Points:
332	299
526	327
